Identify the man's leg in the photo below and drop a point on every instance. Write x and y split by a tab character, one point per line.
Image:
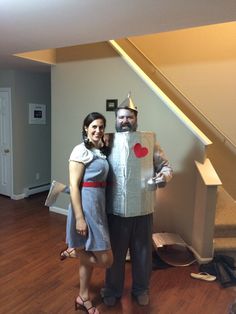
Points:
120	229
141	257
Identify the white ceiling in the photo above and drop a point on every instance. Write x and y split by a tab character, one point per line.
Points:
27	25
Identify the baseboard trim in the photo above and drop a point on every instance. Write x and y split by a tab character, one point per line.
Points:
17	197
36	189
200	259
58	210
30	191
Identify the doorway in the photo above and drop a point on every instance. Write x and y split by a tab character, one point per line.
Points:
6	166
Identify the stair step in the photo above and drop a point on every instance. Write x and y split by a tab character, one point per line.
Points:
225	219
225	244
225	209
225	231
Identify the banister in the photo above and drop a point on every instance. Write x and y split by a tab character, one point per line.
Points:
226	139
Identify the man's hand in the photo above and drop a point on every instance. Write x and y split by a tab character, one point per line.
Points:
106	139
160	180
161	184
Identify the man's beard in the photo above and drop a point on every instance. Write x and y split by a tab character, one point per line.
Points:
126	127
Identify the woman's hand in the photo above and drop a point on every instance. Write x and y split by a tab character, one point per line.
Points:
81	226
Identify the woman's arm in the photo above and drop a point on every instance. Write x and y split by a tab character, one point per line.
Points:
76	172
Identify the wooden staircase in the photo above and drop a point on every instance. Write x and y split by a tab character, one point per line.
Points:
225	224
220	154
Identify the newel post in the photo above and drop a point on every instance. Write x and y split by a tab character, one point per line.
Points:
204	211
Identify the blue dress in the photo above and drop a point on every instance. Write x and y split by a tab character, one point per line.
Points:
93	202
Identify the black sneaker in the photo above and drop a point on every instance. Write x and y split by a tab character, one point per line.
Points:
142	299
109	301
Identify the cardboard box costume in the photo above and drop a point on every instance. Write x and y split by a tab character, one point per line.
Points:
131	167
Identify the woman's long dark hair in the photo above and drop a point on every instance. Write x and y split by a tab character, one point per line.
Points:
87	121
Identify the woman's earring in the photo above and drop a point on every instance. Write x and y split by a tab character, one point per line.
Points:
86	139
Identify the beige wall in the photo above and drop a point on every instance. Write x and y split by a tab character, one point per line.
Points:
79	87
201	62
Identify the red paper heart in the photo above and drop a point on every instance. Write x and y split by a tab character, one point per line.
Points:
140	151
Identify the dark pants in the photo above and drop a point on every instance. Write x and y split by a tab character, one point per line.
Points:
134	233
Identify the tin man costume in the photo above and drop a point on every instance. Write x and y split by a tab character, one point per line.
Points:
137	167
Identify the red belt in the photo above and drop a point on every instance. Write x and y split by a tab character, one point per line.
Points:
96	184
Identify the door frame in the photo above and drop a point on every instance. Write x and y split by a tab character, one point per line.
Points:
10	174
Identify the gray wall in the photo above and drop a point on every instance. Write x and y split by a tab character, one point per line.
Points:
31	143
80	87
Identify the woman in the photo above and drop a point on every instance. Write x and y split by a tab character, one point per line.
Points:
87	229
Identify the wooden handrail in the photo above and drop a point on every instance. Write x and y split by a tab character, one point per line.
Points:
226	139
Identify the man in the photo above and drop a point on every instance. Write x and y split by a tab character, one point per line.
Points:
137	167
130	206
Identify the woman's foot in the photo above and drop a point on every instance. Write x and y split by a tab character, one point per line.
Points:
86	305
69	252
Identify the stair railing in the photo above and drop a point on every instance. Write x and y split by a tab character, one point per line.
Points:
226	140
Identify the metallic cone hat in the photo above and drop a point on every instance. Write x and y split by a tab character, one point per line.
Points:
128	104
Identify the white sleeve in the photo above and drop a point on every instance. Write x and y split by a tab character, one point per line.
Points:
81	154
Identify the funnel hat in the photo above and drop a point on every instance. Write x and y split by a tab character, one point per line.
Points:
128	104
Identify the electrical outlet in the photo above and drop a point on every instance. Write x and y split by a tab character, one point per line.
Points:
37	176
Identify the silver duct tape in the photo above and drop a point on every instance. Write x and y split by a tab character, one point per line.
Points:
131	166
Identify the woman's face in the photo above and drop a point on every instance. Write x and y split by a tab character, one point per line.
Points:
95	131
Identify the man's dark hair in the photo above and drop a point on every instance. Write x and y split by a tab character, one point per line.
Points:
127	108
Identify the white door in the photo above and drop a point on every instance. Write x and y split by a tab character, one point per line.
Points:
5	142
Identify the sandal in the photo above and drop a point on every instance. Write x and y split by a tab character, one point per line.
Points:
81	306
70	253
203	276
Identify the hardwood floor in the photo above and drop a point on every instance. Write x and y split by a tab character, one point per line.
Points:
34	281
